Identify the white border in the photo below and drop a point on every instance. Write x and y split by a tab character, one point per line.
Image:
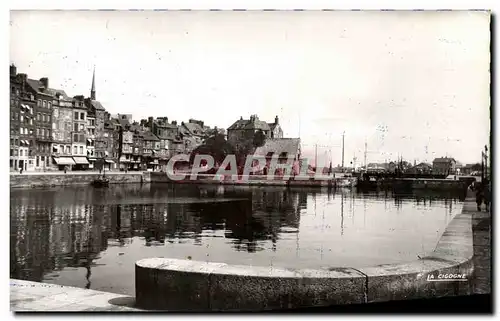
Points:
189	4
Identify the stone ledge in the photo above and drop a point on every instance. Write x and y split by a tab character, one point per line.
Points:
182	285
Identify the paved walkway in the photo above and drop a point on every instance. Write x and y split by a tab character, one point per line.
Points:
26	296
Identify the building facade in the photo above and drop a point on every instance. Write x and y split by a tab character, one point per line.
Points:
79	134
444	166
243	130
15	112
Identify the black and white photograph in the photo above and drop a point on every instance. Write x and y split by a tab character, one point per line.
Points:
249	160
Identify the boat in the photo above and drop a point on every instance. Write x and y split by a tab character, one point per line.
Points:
347	182
100	182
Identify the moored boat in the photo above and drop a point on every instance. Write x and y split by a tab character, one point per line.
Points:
100	182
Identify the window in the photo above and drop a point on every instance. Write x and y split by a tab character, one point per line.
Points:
76	115
31	121
43	131
39	102
38	117
17	116
48	118
76	127
16	142
82	127
20	152
22	118
75	150
44	103
38	131
68	150
11	152
37	162
12	115
49	105
81	150
82	116
82	138
31	110
75	138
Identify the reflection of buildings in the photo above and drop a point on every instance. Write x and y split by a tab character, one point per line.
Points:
46	238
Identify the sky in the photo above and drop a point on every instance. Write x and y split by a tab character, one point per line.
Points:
409	84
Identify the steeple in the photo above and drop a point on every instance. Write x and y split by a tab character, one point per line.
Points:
92	90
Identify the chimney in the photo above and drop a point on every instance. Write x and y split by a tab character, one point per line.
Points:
174	122
45	82
150	123
13	70
276	120
241	117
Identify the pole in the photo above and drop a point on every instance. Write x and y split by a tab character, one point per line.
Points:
343	134
485	162
365	152
316	159
482	166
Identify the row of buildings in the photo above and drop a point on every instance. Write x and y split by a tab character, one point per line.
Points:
50	130
439	166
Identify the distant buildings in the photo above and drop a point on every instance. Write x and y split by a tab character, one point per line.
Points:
444	166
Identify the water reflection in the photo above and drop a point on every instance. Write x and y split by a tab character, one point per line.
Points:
70	229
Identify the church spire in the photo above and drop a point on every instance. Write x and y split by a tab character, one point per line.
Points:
92	90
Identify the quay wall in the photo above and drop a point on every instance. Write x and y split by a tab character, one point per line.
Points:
28	180
258	180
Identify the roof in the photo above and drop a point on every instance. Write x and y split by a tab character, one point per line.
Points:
97	105
239	124
247	124
291	146
149	136
54	92
36	84
443	160
194	129
272	126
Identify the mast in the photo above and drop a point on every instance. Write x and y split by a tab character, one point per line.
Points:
365	152
343	135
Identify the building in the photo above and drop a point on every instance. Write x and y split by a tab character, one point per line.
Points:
15	112
193	134
275	129
168	134
243	130
101	136
91	156
137	146
79	134
43	122
150	152
421	168
62	127
283	148
27	126
444	166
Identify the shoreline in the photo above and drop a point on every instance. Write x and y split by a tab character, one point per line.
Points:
53	179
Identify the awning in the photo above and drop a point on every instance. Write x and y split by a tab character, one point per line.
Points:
109	161
64	161
81	160
92	159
